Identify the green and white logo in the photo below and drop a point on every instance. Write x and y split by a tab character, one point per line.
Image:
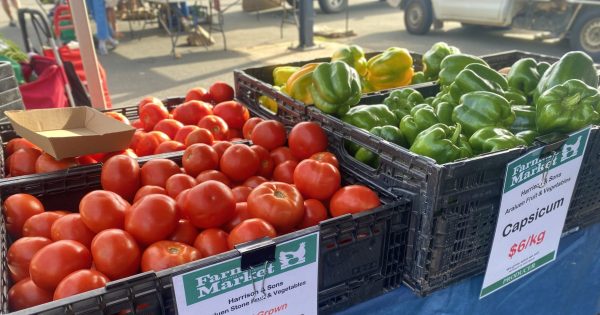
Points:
223	277
531	165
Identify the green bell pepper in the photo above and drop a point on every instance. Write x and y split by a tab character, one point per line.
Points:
453	64
400	102
432	59
475	78
388	133
490	139
369	116
354	56
567	107
282	74
524	118
442	143
443	110
542	67
482	109
418	78
572	65
429	100
528	136
421	117
524	75
335	88
515	97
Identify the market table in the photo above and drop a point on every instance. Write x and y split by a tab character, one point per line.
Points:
569	285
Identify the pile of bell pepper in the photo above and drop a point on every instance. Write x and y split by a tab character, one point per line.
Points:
480	110
335	86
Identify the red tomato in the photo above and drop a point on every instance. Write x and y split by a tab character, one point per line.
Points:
127	152
248	127
71	227
216	125
200	135
118	116
184	132
306	139
170	127
234	113
23	161
185	233
221	146
21	252
78	282
135	140
116	254
284	172
221	92
85	160
167	254
266	164
55	261
190	112
149	142
280	204
19	143
17	209
149	190
151	114
178	183
314	212
282	154
151	219
40	224
213	175
199	157
239	162
249	230
199	94
156	172
137	124
179	203
148	100
240	193
317	180
241	214
254	181
169	146
102	210
326	157
25	294
270	134
46	163
211	242
210	204
353	199
121	174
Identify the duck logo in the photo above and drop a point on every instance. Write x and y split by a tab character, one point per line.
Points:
570	150
290	259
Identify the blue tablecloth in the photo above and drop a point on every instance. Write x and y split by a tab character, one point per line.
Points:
569	285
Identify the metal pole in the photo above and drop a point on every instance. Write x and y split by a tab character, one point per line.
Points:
307	21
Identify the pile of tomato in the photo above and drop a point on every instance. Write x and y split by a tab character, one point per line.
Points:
161	214
204	117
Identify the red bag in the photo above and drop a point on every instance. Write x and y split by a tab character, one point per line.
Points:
48	91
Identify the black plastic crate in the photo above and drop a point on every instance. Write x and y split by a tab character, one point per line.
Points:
361	256
456	208
251	83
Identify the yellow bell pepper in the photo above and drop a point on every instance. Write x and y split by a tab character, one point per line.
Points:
390	69
298	84
282	74
268	102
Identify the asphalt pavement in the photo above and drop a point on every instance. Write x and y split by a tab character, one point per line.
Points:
142	64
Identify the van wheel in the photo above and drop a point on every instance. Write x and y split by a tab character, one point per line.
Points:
585	33
418	16
332	6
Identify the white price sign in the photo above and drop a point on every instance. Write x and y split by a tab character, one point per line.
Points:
288	285
537	194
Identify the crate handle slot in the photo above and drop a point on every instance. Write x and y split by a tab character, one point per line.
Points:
256	252
131	281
